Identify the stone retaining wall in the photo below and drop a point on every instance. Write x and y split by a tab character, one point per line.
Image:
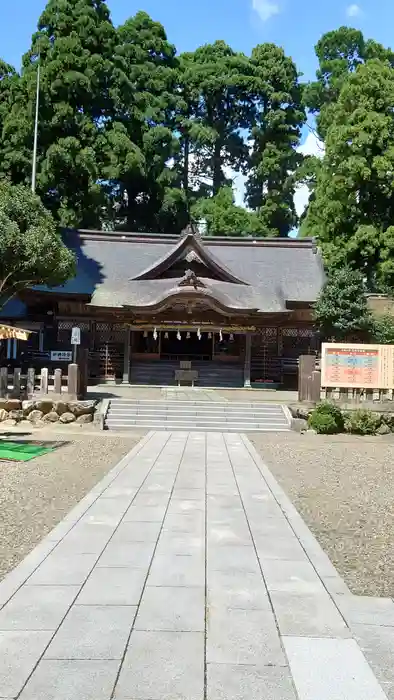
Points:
38	412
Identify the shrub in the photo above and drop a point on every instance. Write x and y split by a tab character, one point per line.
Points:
363	422
327	419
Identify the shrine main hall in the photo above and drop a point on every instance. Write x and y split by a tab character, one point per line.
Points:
236	310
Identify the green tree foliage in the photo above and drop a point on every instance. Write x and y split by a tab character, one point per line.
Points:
8	84
353	207
218	79
31	251
131	135
223	217
341	311
140	143
339	53
383	329
75	42
277	118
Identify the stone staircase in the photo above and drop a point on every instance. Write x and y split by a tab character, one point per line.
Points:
221	416
210	374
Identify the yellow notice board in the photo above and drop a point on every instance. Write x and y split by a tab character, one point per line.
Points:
357	366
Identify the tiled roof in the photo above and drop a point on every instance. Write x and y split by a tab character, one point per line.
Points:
267	272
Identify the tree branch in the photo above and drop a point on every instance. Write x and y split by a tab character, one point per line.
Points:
317	137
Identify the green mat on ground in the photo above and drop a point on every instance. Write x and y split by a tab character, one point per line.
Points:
23	451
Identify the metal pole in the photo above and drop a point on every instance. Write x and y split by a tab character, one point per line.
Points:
34	168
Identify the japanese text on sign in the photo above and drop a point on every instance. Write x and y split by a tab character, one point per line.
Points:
357	366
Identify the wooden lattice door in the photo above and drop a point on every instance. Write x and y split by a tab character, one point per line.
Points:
298	341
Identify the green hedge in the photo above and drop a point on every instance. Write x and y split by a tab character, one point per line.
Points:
328	419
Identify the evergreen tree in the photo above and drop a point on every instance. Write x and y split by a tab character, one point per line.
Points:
74	45
353	208
276	131
140	142
215	82
341	311
339	53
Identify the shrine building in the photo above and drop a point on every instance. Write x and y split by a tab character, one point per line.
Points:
238	309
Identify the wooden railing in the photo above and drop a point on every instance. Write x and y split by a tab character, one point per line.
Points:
18	385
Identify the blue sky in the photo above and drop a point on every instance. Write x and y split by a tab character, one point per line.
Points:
294	25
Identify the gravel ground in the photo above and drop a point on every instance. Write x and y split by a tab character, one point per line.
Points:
344	489
36	495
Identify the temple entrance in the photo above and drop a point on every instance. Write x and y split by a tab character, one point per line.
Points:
182	344
186	346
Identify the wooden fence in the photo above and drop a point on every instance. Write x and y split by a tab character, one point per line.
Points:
72	385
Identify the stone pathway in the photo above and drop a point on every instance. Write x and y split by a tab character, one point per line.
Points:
186	574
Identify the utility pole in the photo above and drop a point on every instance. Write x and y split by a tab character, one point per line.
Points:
34	167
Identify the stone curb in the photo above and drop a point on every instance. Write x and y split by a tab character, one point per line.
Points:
325	569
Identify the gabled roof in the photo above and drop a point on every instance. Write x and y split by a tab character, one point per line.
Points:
185	247
119	270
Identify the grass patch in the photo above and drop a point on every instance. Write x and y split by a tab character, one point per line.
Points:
24	451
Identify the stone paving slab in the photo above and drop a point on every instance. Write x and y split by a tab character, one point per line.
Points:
187	574
331	668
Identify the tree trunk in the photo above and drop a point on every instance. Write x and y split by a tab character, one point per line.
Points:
217	168
186	166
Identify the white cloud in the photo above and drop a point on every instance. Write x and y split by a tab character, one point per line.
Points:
265	9
311	147
353	10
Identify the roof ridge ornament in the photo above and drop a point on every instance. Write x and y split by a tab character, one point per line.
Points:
190	279
191	230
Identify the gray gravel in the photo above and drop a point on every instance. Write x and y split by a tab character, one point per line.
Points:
344	488
36	495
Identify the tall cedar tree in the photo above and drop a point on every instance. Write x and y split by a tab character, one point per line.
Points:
339	53
353	209
215	83
141	140
74	44
278	117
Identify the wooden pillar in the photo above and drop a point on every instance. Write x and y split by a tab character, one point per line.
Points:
3	382
30	382
247	361
58	381
17	383
126	357
72	382
44	381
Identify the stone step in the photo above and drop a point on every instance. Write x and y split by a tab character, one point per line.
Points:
184	404
201	427
187	415
219	417
126	414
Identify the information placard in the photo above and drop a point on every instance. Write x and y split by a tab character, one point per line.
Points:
358	366
61	355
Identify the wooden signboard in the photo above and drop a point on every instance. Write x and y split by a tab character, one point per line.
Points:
357	366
